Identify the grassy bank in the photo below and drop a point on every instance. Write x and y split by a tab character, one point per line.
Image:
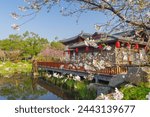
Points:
8	68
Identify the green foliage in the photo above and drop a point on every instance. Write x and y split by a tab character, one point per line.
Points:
13	42
29	44
57	45
145	84
135	93
70	84
7	69
33	44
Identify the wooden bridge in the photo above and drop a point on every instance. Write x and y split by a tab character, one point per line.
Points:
68	68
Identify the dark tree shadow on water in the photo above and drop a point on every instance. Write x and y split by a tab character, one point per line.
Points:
22	89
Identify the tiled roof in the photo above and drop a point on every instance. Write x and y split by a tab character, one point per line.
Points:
105	38
83	35
109	39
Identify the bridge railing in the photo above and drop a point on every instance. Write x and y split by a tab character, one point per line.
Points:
113	70
68	66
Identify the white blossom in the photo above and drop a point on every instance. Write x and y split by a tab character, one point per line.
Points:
106	98
117	95
35	6
99	64
148	14
148	96
65	80
21	8
97	27
14	15
56	75
123	76
107	48
61	67
130	1
80	64
87	67
70	75
15	27
27	1
77	78
90	43
85	42
102	95
90	77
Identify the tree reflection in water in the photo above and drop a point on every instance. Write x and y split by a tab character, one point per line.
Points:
24	88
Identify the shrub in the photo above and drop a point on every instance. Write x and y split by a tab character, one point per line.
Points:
135	93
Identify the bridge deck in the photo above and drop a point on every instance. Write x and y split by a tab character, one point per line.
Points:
68	68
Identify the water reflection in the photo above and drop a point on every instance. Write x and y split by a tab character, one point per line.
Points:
26	88
66	95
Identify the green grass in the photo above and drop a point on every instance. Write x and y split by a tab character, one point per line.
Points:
9	68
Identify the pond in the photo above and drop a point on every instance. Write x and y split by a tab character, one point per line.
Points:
26	88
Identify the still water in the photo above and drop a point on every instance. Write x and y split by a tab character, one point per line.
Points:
27	88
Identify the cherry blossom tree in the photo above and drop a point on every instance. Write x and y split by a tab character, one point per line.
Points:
50	53
123	15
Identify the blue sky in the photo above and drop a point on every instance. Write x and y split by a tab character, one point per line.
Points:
47	25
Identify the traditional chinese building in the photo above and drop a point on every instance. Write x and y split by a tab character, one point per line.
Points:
105	50
105	56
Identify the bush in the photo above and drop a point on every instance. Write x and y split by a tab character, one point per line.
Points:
135	93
